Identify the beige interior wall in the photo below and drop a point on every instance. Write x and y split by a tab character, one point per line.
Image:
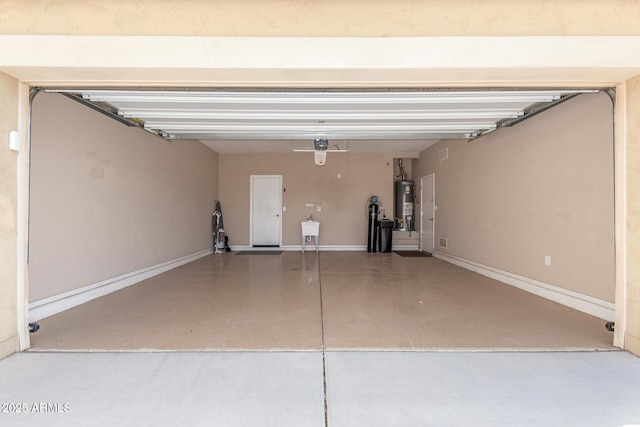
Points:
322	18
632	338
107	199
542	187
343	218
8	219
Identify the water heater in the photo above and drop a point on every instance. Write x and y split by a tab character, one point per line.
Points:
404	196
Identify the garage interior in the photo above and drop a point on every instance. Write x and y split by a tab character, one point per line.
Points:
134	207
523	178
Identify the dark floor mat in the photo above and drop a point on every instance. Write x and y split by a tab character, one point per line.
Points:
413	253
259	253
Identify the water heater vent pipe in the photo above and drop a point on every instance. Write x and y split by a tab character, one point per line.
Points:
402	174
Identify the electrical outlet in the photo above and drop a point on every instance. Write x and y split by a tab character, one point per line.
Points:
339	175
547	260
319	208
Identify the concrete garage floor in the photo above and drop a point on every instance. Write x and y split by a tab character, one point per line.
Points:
286	389
333	301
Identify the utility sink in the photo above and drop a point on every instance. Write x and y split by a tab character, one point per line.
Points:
310	228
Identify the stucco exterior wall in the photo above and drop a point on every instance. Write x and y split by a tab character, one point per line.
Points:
315	18
8	217
633	216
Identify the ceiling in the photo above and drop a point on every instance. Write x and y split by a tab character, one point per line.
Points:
279	120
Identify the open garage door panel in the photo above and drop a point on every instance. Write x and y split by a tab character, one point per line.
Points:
274	115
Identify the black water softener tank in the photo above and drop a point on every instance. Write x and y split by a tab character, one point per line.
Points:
372	241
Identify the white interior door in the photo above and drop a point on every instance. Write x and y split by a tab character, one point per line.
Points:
427	212
266	210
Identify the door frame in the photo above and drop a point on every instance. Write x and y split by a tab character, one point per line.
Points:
433	211
251	182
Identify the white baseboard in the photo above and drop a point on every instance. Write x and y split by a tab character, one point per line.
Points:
405	247
596	307
61	302
308	248
312	247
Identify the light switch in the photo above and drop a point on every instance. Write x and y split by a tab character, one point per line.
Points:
284	209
